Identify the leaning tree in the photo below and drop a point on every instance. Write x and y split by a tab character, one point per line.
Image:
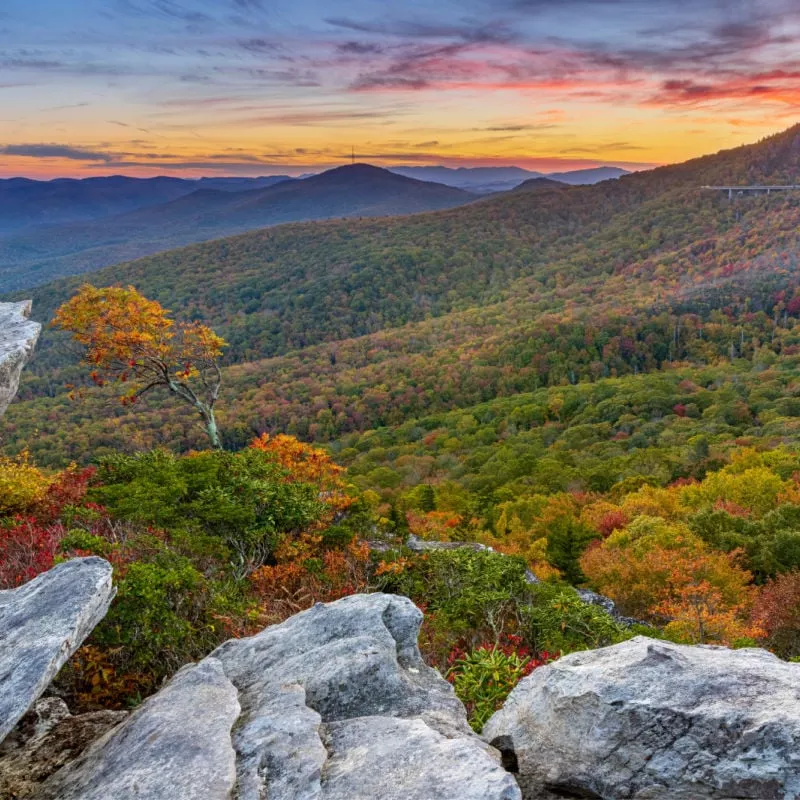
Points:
133	341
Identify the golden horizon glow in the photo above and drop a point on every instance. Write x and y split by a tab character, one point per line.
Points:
231	87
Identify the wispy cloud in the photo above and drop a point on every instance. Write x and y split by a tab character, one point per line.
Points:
493	78
56	151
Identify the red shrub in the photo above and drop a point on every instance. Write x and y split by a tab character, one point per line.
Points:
68	489
27	547
612	521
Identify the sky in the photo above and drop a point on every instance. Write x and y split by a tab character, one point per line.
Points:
258	87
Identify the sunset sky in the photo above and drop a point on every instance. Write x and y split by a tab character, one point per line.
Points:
249	87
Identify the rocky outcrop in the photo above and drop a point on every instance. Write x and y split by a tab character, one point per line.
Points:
41	625
333	704
417	545
650	719
337	702
18	337
608	605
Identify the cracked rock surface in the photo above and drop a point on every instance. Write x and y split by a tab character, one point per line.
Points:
338	703
42	623
333	704
652	719
18	336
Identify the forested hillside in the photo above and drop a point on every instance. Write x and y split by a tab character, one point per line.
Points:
197	213
600	383
289	287
367	323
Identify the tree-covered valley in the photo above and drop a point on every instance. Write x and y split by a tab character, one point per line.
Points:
600	383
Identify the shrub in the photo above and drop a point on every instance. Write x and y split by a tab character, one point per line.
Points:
27	547
21	485
79	539
557	620
484	677
158	620
309	571
245	499
777	613
476	594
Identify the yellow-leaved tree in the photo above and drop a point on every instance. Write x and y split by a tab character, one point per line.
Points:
132	340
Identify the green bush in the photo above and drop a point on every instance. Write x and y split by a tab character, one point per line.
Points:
240	499
483	679
159	617
78	539
557	620
475	593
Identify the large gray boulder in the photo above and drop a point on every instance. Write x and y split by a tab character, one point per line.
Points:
42	623
18	336
406	759
338	703
333	704
651	719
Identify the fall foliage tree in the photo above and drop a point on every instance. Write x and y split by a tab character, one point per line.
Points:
132	340
307	464
777	613
661	572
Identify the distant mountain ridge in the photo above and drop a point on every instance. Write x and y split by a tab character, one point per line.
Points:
26	203
33	256
486	180
586	177
537	184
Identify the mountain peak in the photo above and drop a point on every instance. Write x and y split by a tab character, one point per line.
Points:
357	169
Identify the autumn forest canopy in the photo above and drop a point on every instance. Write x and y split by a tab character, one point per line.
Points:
600	383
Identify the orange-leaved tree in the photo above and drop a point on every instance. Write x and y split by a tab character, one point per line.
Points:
660	571
132	340
308	464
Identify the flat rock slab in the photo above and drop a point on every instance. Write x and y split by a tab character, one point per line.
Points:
651	719
18	336
176	746
42	623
